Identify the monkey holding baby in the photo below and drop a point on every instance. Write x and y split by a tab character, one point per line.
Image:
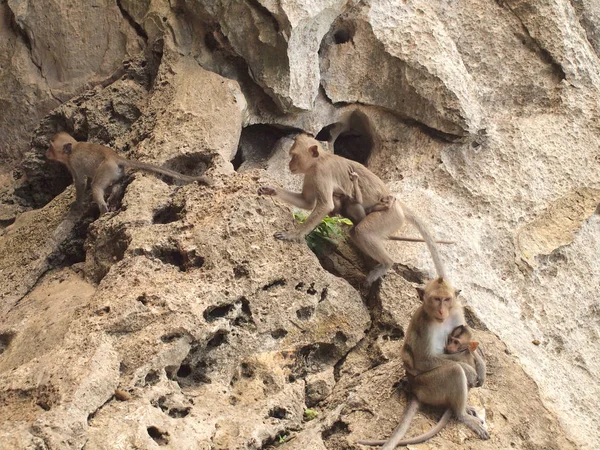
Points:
100	164
328	179
441	363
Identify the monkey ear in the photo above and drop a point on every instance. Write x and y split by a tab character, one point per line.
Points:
456	292
314	150
67	148
473	346
421	293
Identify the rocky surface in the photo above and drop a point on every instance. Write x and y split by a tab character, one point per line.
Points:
177	321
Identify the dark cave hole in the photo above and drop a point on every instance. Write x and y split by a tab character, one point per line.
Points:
278	333
338	427
340	337
247	370
184	371
344	33
278	413
170	337
168	214
356	141
305	312
212	313
246	313
279	282
152	377
5	340
173	255
160	437
170	256
391	332
257	143
179	413
219	338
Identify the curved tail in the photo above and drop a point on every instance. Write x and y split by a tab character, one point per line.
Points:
412	239
417	439
437	261
171	173
409	413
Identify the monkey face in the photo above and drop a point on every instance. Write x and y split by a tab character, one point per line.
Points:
454	345
302	160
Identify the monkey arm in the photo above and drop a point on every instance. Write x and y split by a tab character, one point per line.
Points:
357	197
480	367
295	198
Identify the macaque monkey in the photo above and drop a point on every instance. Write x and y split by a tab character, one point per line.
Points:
436	378
100	164
327	175
350	206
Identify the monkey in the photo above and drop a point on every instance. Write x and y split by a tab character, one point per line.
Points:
326	175
102	165
436	378
350	206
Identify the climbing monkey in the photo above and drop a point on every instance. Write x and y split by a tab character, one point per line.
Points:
100	164
436	378
327	175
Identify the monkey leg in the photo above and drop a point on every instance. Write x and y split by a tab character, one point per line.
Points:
447	386
107	173
79	183
371	233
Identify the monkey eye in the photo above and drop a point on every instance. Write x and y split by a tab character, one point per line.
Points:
447	299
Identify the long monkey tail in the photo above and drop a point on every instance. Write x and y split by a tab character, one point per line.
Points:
412	239
422	437
437	261
171	173
409	413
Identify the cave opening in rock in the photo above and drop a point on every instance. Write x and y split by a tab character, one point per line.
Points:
352	138
257	144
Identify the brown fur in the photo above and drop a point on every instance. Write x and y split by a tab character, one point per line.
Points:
101	165
436	378
326	177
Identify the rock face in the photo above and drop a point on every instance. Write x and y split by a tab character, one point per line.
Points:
177	321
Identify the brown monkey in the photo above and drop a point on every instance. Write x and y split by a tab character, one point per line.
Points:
326	175
350	206
436	378
100	164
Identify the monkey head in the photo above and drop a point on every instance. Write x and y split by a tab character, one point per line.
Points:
459	340
438	298
304	154
60	147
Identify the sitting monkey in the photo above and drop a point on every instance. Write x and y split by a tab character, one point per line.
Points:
435	377
100	164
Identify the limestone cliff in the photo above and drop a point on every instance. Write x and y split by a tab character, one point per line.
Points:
482	115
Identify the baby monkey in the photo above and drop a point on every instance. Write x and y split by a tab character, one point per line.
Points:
100	164
350	206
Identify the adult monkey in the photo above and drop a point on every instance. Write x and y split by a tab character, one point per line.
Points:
102	165
436	378
326	175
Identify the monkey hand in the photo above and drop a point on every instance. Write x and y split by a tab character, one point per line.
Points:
353	174
288	236
267	190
